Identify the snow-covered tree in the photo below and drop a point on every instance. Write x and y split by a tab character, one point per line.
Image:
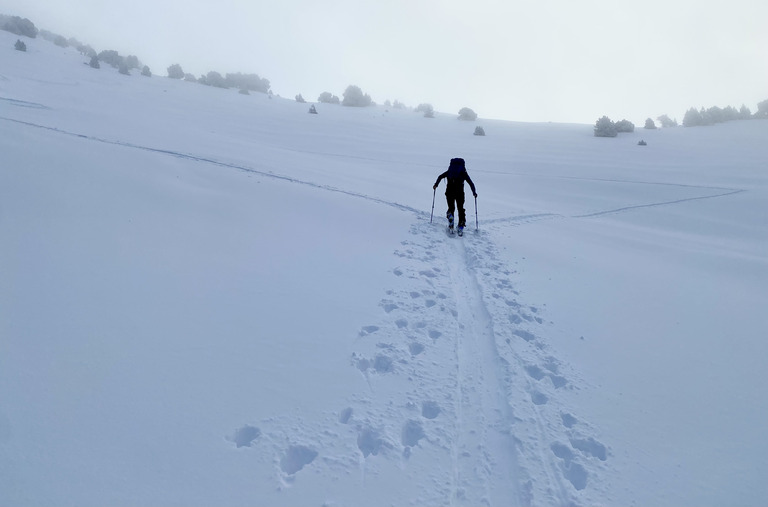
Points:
467	114
650	124
175	71
604	127
354	97
328	98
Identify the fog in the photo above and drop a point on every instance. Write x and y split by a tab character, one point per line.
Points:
559	61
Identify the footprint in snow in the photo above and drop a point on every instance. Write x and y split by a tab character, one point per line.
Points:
415	348
345	415
370	441
590	447
430	409
539	398
568	420
412	433
296	458
245	436
365	331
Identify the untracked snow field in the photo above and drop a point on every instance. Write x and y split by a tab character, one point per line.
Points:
209	298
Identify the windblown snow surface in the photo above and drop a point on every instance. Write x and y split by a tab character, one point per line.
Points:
209	298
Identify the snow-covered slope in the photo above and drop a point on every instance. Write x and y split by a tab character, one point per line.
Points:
208	298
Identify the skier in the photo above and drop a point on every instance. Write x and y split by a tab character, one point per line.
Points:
454	191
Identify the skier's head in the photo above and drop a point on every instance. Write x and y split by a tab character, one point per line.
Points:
457	163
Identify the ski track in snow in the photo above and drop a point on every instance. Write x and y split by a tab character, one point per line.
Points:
464	391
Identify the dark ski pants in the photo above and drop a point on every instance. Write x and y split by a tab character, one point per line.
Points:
456	201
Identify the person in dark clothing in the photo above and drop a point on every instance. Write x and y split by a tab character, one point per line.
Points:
455	177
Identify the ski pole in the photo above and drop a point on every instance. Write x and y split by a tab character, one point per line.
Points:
477	227
434	191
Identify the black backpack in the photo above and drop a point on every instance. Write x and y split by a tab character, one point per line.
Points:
456	169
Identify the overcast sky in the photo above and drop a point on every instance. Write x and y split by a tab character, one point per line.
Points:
544	60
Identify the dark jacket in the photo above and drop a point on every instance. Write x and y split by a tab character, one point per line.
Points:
455	176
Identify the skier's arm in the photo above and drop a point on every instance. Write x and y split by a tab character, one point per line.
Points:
471	185
445	174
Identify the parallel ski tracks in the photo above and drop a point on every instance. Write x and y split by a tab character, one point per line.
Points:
485	469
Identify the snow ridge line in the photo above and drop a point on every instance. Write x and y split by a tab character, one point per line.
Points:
186	156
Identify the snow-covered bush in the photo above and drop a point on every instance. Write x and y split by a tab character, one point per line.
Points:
762	109
94	63
604	127
328	98
146	72
427	109
650	124
354	97
19	26
625	126
251	82
666	121
111	57
300	99
20	46
479	131
213	78
467	114
175	71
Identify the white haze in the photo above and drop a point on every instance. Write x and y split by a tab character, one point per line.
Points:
557	61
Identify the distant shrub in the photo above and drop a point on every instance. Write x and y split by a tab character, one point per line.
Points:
642	143
175	71
696	118
95	62
251	82
213	78
124	69
650	124
146	72
762	109
467	114
427	109
666	121
604	127
244	91
625	126
354	97
132	62
479	131
20	46
190	77
300	99
111	57
19	26
312	109
398	105
744	113
86	50
328	98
